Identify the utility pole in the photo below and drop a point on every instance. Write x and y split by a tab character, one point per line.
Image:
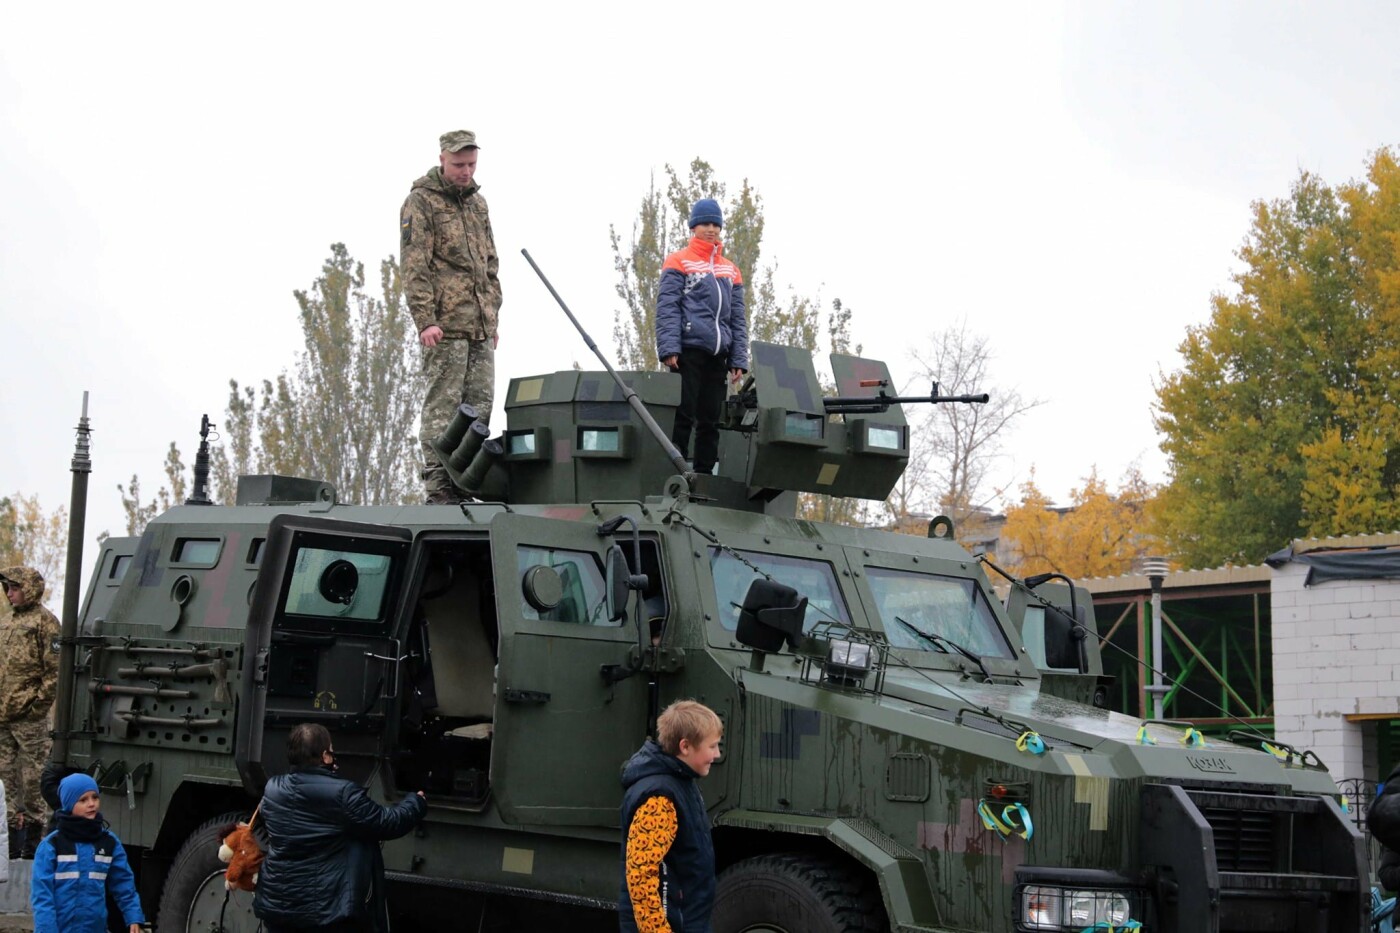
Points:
1156	570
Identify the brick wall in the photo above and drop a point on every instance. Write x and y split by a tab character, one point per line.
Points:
1336	653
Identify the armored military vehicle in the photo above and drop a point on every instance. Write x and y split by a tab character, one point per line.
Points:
902	751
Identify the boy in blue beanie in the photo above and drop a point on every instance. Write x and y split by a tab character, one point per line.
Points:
78	864
701	331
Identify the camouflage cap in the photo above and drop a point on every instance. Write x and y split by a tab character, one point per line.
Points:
457	140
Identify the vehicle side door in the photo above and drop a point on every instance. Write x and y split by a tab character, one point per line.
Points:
321	642
562	728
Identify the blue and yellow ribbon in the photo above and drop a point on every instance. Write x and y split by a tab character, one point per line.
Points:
1192	738
1030	741
1274	750
1143	738
1014	818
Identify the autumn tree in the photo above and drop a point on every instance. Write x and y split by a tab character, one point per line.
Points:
346	413
1283	421
1100	534
33	537
954	446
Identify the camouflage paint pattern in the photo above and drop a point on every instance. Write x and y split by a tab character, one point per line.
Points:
454	371
447	258
28	680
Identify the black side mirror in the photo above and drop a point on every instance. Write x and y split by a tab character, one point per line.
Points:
772	613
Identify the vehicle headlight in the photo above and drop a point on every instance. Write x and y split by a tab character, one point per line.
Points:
1046	907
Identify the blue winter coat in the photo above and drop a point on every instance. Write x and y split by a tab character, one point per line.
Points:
322	862
688	869
70	882
701	305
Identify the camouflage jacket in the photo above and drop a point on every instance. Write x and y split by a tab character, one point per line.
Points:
447	257
28	664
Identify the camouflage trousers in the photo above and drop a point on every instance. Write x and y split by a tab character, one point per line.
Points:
454	371
24	748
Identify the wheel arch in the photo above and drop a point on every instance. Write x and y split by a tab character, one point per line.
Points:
899	872
192	803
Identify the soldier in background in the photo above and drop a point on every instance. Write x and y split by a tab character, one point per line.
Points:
447	258
28	680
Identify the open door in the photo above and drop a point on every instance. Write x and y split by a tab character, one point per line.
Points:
565	721
320	643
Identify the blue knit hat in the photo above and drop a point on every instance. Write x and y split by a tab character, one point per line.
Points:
74	786
706	211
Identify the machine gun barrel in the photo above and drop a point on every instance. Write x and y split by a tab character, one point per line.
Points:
880	402
675	455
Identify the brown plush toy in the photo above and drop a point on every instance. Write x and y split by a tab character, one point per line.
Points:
243	854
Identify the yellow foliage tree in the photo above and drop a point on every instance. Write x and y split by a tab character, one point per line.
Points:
31	537
1100	534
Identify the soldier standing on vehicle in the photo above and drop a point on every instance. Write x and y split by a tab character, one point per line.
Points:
28	679
448	262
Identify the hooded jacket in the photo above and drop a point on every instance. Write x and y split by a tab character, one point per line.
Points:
71	879
322	861
668	857
700	305
447	259
28	664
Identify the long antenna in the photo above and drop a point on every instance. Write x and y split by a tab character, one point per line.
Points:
676	459
68	628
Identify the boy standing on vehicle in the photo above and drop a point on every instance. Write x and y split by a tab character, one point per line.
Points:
668	859
701	331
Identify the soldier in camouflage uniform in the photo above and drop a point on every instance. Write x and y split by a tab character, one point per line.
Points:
28	678
448	262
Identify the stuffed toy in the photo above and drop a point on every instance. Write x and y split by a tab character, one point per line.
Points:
244	856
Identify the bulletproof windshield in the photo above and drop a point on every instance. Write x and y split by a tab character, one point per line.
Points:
811	578
951	607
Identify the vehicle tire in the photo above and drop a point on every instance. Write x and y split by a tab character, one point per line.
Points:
793	893
194	894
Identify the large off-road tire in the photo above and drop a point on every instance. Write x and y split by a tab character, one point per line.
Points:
792	893
194	894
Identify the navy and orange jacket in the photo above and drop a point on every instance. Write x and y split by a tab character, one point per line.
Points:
701	305
668	859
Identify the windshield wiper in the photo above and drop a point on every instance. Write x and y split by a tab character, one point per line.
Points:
943	643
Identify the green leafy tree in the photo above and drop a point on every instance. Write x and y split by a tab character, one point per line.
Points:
347	413
1283	420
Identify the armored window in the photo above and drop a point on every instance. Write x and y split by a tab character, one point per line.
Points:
255	551
813	579
950	607
581	592
203	552
119	564
334	584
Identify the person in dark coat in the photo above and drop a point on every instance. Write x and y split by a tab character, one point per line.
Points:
668	858
323	869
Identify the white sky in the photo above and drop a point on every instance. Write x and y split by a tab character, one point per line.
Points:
1072	179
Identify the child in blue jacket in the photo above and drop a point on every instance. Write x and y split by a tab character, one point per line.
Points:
77	864
701	331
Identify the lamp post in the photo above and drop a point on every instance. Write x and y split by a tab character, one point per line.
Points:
1156	570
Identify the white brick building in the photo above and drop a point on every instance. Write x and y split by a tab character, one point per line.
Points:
1336	652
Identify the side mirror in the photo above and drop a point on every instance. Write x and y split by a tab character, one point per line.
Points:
772	613
618	583
338	582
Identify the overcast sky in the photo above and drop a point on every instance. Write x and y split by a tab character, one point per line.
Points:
1072	180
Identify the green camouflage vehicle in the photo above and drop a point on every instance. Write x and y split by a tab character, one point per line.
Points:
901	752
